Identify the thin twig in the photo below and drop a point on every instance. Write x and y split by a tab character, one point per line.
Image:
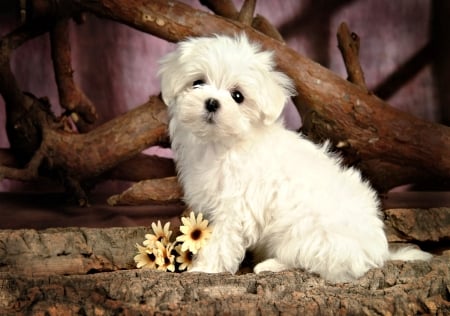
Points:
348	43
247	12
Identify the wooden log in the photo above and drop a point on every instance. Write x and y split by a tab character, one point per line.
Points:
90	271
397	289
423	225
138	168
165	190
66	251
86	155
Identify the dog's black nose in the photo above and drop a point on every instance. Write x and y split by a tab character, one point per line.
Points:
212	105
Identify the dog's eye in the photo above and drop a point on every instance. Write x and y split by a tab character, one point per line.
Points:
198	82
237	96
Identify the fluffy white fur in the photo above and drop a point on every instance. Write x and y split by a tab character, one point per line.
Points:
264	188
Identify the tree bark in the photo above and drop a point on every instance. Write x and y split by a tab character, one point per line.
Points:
63	271
87	155
423	225
166	190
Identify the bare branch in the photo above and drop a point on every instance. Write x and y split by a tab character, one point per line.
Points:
247	12
348	44
70	96
263	25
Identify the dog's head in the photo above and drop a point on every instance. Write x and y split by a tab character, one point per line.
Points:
222	86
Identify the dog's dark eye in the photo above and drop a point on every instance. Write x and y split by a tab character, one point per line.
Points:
237	96
198	82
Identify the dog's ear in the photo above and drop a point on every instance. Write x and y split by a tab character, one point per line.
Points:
174	68
277	89
170	75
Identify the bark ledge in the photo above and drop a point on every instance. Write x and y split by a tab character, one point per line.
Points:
81	271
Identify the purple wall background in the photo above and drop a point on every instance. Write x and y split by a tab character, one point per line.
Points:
115	65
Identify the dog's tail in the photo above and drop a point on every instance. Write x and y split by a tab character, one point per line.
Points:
409	254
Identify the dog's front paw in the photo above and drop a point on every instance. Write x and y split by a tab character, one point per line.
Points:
270	265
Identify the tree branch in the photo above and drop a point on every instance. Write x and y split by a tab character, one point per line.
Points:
71	97
26	115
348	44
247	12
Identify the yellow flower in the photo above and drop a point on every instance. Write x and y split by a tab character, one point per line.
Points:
184	258
165	260
145	258
159	234
195	233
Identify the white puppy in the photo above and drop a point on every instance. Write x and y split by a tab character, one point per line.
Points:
264	188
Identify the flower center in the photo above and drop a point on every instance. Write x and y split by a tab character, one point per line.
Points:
195	235
151	257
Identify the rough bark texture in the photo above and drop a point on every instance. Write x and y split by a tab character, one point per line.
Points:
166	190
58	271
91	154
68	251
424	225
